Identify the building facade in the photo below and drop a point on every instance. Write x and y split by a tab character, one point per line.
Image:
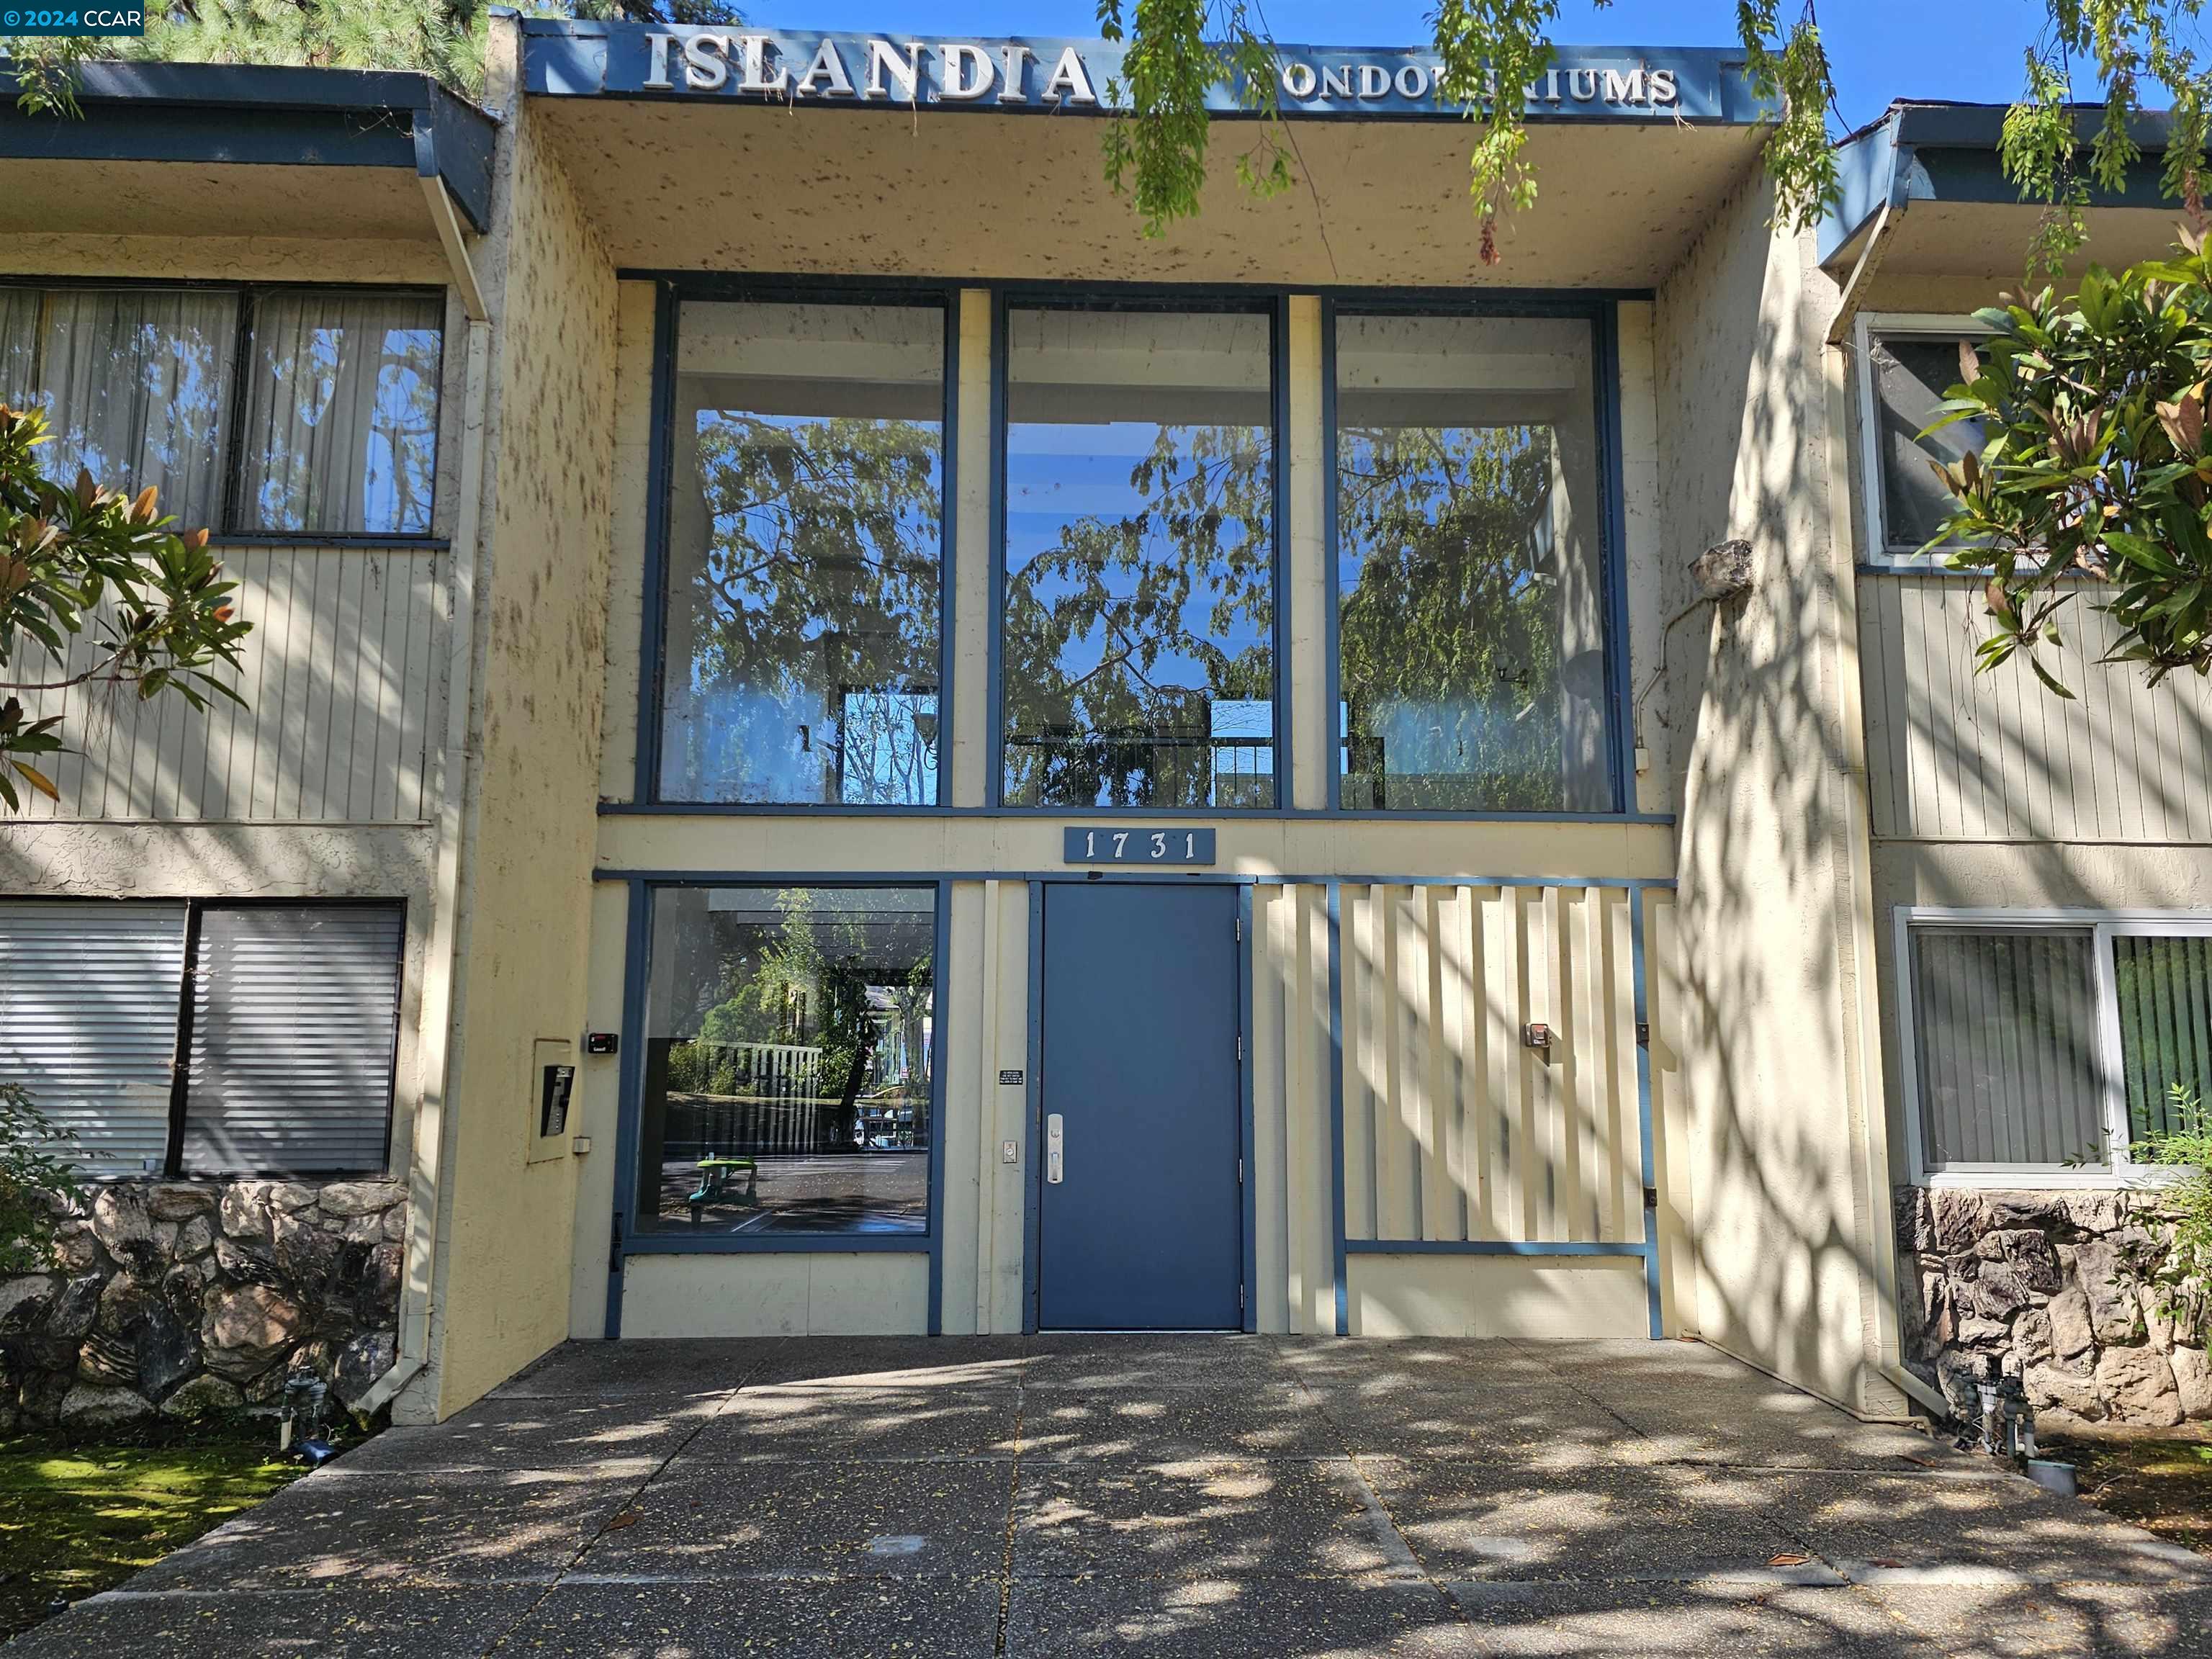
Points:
835	741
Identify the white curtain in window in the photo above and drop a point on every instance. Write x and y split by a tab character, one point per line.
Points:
136	383
341	414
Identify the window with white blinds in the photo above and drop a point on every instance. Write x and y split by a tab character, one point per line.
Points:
89	997
285	1018
294	1020
2040	1048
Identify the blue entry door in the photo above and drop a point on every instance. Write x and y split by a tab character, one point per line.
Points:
1140	1214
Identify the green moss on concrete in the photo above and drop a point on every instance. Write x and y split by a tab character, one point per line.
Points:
77	1516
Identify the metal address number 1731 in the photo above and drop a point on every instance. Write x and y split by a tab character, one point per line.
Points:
1137	846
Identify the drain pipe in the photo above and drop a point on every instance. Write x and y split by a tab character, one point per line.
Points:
1912	1386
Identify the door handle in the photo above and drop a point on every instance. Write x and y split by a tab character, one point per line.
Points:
1053	1164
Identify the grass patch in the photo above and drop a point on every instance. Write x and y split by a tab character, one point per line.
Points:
79	1516
2159	1479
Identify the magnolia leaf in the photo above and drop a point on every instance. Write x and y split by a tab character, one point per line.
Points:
2044	674
37	780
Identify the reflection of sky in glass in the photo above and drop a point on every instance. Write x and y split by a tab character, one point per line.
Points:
394	459
136	386
1058	475
1064	481
814	639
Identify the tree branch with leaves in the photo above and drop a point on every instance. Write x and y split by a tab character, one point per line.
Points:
97	590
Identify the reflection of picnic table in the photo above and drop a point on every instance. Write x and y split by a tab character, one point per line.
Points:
715	1175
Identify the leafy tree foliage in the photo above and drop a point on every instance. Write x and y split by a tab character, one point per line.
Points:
1452	613
819	576
36	1183
1490	50
84	562
2093	464
813	981
1118	637
443	38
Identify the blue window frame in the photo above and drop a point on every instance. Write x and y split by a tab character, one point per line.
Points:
741	1130
798	614
1477	636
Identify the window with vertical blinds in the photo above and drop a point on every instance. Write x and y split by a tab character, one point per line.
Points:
294	1016
285	1017
89	996
2006	1039
2163	988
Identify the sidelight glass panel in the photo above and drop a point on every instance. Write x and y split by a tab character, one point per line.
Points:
1470	588
2005	1030
787	1063
805	541
2164	989
1138	636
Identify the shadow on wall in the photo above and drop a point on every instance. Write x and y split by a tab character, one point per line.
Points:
1786	1253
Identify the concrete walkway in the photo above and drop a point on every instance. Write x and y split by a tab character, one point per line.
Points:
1239	1496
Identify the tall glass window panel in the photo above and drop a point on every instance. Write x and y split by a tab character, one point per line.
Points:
2005	1031
787	1063
1137	661
1911	374
135	384
1470	588
805	550
2164	989
341	434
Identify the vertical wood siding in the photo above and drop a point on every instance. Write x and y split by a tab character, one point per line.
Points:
1454	1129
1954	756
343	676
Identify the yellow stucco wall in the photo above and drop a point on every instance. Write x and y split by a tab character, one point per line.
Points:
505	1235
1786	1237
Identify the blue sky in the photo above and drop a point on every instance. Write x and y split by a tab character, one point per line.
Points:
1881	49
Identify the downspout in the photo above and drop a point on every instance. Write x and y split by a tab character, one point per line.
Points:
1864	1069
434	1123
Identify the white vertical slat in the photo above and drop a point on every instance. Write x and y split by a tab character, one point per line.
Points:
1456	1092
417	686
1362	1077
1397	1194
1504	1144
1625	1120
337	679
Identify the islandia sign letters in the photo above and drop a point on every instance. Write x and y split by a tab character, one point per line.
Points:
1084	76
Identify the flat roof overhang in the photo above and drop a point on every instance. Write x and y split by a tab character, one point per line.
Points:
725	181
729	187
200	150
1951	211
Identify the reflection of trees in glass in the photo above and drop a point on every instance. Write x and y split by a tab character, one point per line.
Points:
136	382
342	421
853	988
1121	637
1449	624
812	612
